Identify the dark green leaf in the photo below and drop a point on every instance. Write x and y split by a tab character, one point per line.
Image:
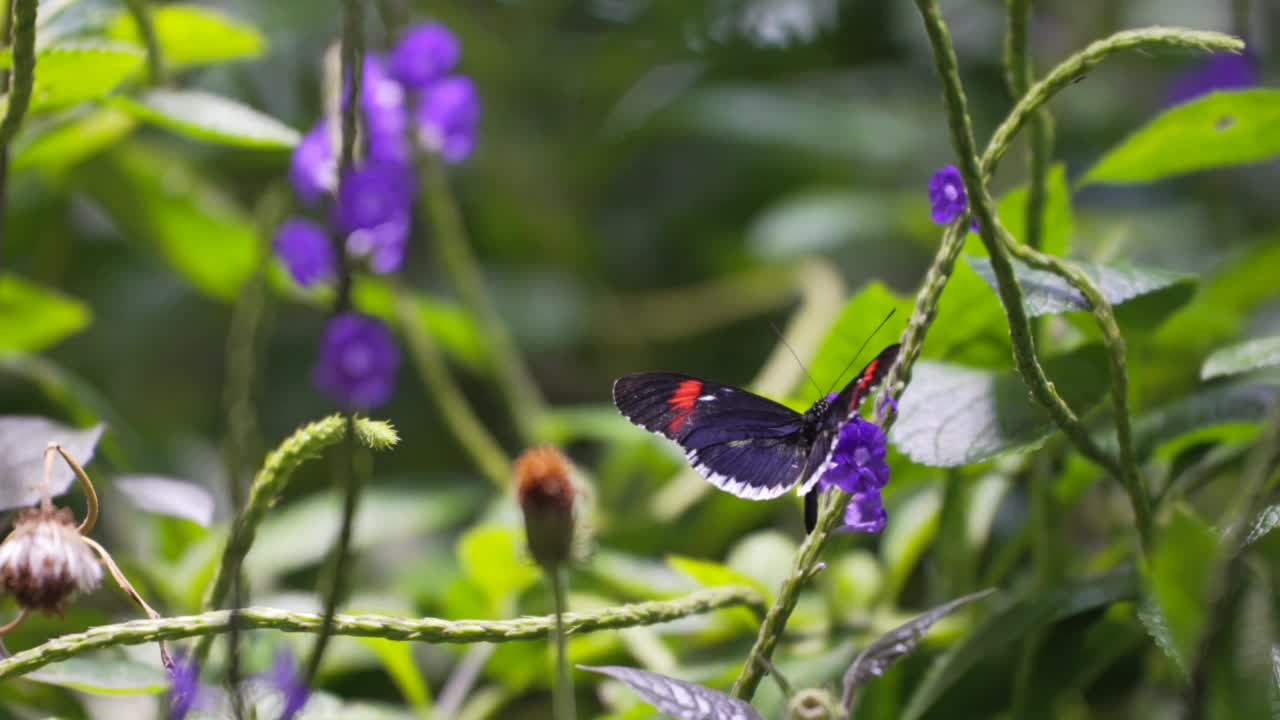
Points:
77	71
57	147
22	444
1217	130
1045	293
194	35
952	415
160	198
35	317
1009	625
1215	406
1180	570
1153	620
1251	355
892	646
103	674
677	698
206	116
1012	211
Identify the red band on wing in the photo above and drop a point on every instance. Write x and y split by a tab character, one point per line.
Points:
865	381
682	402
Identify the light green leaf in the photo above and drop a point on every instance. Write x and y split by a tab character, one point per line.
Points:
103	674
59	146
194	35
822	220
495	557
1220	129
79	70
713	574
1228	294
912	529
766	557
397	659
1180	570
952	415
161	198
1010	624
206	116
35	317
857	320
1212	407
1235	359
1045	293
1056	220
299	534
1154	623
448	322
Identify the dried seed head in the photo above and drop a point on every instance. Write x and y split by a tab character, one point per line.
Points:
546	492
45	562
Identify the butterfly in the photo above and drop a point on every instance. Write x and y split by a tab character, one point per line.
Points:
742	443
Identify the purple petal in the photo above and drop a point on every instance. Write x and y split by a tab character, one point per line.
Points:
425	53
358	362
865	513
313	168
448	117
306	250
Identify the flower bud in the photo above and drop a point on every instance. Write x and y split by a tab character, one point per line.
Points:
546	492
45	562
814	704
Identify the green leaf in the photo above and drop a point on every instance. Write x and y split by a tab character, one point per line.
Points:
766	557
1236	359
1009	625
1208	408
448	322
952	415
1227	296
77	71
1056	220
298	535
914	527
206	116
160	198
713	574
35	317
1154	623
1044	293
857	321
103	674
194	35
1217	130
57	147
1180	570
397	659
677	698
494	556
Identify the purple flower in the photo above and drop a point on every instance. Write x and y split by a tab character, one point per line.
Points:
358	362
306	250
858	466
286	679
382	100
946	193
448	116
1222	71
374	209
184	679
313	169
425	53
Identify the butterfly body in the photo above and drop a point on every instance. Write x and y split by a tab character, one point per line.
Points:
740	442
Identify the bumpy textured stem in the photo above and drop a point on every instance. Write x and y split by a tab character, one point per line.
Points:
429	630
270	481
451	239
1076	66
443	390
22	78
141	13
1019	72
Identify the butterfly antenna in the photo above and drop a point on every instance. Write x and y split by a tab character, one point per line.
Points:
783	340
861	347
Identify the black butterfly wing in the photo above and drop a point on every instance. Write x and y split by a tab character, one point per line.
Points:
742	443
840	410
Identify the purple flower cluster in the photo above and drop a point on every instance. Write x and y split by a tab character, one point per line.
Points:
948	197
1222	71
358	362
858	467
409	96
292	686
184	686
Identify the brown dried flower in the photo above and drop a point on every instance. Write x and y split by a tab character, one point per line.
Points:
546	492
45	561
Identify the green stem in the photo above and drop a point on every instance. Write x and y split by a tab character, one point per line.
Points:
141	13
1249	501
466	427
306	443
1075	67
1019	72
563	700
451	238
428	630
20	23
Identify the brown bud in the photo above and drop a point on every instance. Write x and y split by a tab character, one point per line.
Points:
546	492
45	561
